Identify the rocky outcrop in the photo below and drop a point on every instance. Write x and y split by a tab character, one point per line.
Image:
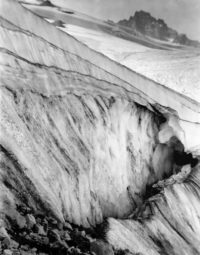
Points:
34	232
144	23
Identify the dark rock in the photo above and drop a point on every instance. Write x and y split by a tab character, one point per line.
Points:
67	225
59	23
37	240
47	3
45	225
7	252
77	232
78	251
36	228
66	236
6	243
83	233
60	226
23	209
33	250
89	238
20	221
25	252
41	230
40	215
101	248
16	219
23	233
30	221
3	233
64	244
74	251
44	240
38	220
14	244
16	253
25	247
54	223
59	245
54	235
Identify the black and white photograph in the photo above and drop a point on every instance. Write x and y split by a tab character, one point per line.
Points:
100	127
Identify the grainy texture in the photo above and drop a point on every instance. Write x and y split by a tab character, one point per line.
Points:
78	132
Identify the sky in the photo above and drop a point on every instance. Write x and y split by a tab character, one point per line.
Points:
182	15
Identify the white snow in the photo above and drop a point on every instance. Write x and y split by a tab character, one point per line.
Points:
113	47
178	69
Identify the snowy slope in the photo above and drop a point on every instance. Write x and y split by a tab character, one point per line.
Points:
178	69
175	66
78	132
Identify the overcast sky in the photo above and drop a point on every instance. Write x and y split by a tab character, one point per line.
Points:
183	15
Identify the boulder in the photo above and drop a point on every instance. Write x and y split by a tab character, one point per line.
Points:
83	233
34	251
41	230
3	233
7	252
16	218
54	235
30	221
52	221
45	225
60	226
16	252
66	236
101	248
38	220
23	209
24	252
25	247
68	226
35	228
6	243
14	244
39	240
20	221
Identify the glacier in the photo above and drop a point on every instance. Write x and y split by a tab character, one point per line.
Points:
78	133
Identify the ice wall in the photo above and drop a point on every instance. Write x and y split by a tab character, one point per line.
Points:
80	152
81	145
